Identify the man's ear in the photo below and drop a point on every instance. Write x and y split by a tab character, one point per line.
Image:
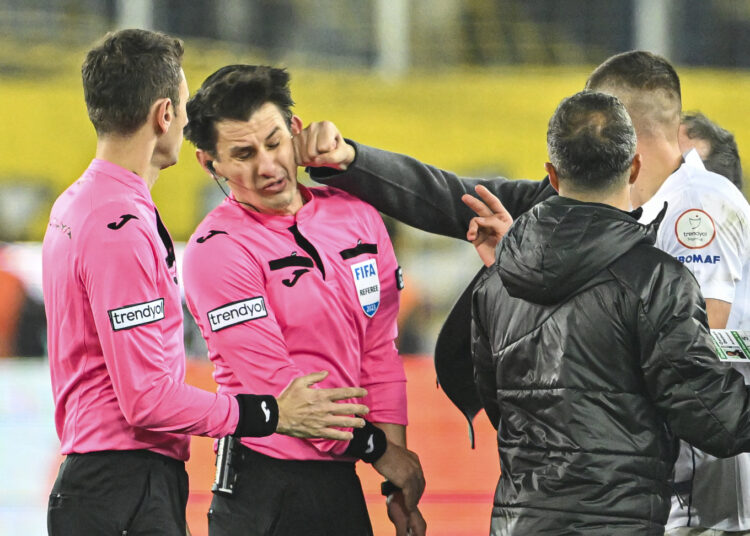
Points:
206	161
163	114
552	173
635	168
296	126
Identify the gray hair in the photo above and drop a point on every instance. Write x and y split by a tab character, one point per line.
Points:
591	141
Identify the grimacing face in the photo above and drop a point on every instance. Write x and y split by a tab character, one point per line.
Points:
257	157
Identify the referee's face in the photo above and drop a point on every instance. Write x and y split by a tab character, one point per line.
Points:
257	159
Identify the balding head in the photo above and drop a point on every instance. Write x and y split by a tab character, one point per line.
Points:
591	143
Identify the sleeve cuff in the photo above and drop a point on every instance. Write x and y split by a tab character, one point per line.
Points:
717	290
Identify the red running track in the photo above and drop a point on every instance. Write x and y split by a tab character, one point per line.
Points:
460	481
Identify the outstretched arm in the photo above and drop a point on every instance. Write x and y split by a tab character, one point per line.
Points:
414	193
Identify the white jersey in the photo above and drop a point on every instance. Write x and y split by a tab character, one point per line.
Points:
707	228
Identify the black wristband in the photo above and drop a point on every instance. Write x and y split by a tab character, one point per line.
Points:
369	443
259	415
388	488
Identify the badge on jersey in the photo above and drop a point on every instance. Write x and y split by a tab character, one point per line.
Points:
695	229
237	312
367	283
138	314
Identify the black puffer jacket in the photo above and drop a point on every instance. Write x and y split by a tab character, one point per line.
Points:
592	352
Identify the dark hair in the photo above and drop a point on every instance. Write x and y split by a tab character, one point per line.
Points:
125	74
235	92
649	88
723	158
591	141
638	70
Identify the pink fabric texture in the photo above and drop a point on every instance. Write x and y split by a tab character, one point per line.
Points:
115	333
271	311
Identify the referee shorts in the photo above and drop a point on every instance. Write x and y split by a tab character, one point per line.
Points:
123	493
275	497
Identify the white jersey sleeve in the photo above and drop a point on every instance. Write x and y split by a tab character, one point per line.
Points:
707	228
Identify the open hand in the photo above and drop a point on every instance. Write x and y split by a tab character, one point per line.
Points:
308	412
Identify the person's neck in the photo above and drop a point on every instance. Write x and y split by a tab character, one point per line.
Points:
619	198
133	153
660	158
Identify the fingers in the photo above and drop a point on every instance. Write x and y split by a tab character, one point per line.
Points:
326	140
402	467
335	393
473	233
417	524
348	409
414	488
492	203
333	433
321	144
343	393
476	205
339	421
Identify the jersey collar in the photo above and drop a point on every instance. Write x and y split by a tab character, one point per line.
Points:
275	221
123	176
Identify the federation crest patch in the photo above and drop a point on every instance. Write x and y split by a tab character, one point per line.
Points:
367	284
695	229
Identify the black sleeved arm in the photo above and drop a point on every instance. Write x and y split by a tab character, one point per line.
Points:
424	196
705	402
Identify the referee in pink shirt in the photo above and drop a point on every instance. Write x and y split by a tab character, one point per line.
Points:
122	410
283	280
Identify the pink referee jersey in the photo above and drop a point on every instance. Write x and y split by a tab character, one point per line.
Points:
115	324
280	296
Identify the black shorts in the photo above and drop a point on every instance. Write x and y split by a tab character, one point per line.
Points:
290	498
132	492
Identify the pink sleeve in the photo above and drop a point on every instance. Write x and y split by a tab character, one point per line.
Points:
382	369
148	384
219	279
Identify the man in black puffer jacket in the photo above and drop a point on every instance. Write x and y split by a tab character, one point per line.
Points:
591	348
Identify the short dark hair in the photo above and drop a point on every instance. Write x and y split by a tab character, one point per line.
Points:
636	69
235	92
126	73
591	141
647	85
723	158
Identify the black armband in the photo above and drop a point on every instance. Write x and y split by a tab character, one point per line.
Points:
369	443
259	415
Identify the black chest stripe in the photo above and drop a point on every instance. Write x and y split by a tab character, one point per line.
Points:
305	244
292	260
166	239
359	249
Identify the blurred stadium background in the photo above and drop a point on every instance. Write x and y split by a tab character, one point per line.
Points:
467	85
